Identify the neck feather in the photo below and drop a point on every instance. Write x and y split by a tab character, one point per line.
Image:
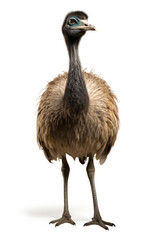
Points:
75	97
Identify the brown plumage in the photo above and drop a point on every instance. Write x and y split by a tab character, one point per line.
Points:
77	115
92	133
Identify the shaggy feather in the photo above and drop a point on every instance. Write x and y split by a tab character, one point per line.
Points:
93	133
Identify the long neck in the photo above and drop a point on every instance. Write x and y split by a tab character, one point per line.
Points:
75	97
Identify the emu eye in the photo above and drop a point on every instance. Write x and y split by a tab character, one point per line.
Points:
72	21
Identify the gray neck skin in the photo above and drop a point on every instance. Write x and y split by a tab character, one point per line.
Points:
75	97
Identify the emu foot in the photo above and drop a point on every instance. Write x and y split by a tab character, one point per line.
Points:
100	222
63	219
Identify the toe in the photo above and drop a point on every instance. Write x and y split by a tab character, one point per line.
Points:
90	223
54	221
62	220
109	224
100	222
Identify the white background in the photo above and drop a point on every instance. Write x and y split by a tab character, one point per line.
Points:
125	51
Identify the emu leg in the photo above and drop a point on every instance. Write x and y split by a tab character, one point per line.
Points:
66	217
97	217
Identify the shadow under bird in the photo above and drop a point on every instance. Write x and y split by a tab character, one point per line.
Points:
78	116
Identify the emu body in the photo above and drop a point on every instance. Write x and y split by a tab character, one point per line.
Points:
77	115
92	131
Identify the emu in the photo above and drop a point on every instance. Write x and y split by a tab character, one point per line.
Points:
78	116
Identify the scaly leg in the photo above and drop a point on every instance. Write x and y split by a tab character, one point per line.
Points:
97	217
66	217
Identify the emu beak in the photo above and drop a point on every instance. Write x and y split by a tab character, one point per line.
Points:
85	26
